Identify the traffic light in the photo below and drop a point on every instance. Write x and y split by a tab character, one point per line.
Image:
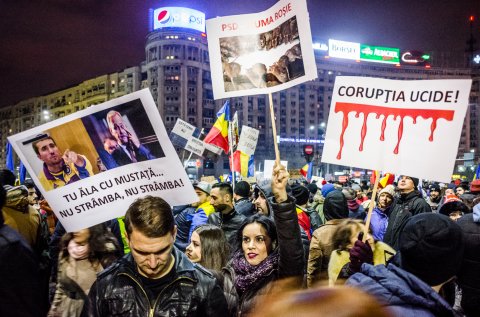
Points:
308	152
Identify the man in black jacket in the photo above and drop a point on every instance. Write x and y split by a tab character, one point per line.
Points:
409	203
155	279
225	215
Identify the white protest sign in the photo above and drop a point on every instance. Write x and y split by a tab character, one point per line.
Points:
268	170
404	127
213	148
183	129
248	140
91	165
262	52
196	146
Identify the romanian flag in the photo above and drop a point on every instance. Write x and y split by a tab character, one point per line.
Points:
387	179
218	134
243	164
307	171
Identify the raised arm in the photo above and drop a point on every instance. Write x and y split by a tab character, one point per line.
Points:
291	262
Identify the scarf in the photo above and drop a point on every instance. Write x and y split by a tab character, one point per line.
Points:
247	275
78	252
353	205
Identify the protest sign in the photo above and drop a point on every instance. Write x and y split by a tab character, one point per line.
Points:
248	140
404	127
182	132
196	146
261	52
268	170
92	164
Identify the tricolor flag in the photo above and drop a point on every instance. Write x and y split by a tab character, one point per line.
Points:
243	164
307	171
387	179
218	134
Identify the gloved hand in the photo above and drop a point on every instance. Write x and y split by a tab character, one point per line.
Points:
359	254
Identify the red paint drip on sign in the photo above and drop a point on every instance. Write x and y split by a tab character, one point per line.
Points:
345	108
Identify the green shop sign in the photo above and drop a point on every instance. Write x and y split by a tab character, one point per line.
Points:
379	54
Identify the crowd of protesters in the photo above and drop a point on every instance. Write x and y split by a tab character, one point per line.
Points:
286	248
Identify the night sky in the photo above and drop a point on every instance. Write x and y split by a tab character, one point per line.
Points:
49	45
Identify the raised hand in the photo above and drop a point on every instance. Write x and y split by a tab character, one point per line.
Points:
280	178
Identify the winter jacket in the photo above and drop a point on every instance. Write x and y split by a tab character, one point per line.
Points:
229	224
290	263
245	207
469	274
183	222
403	293
119	291
21	291
379	223
20	216
338	259
403	208
321	247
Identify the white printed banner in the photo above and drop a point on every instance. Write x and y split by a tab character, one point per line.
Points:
262	52
248	140
91	165
404	127
268	170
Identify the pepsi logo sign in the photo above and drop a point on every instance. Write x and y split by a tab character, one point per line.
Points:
178	17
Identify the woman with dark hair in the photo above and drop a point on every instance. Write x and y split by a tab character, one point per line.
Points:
208	247
266	250
83	254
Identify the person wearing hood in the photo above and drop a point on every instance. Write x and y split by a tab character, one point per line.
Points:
321	246
379	220
431	248
409	203
469	274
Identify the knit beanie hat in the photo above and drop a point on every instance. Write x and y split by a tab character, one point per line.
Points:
242	188
312	188
414	180
327	188
431	247
301	194
389	189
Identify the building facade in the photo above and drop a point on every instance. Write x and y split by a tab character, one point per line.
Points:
177	72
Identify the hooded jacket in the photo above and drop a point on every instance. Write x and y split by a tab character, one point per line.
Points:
404	294
335	205
119	291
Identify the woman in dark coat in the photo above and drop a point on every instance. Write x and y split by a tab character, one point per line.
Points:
266	250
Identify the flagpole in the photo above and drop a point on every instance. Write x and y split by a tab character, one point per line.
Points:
274	129
370	207
230	136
